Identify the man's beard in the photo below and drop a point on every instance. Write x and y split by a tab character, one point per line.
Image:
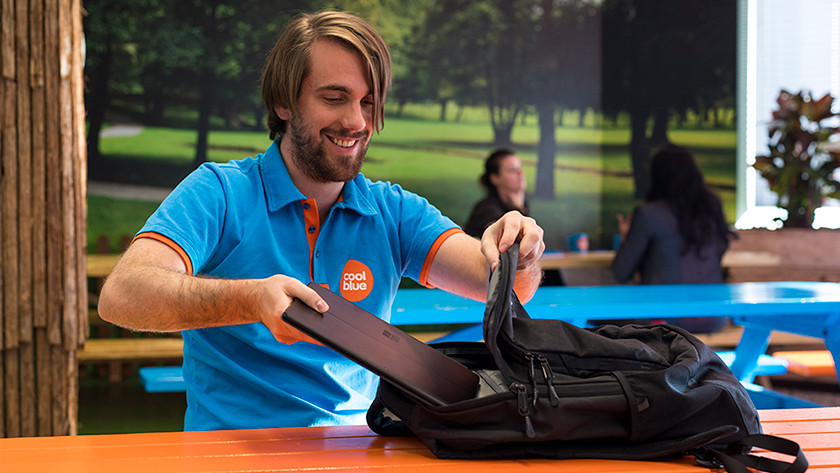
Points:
312	160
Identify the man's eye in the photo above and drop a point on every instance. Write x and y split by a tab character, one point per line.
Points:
332	99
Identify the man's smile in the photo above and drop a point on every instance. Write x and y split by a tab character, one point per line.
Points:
343	142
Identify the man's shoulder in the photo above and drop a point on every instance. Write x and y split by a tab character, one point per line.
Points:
245	171
379	189
234	166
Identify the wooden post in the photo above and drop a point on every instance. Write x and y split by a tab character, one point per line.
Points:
43	297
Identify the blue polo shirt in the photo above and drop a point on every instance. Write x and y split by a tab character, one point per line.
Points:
246	219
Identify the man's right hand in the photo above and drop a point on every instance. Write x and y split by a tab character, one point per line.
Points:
278	292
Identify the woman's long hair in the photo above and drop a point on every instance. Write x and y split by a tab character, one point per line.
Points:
676	179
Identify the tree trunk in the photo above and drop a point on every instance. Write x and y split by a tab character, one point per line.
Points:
546	151
659	135
502	136
98	98
205	107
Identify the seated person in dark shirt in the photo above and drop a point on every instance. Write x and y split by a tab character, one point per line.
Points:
504	183
678	235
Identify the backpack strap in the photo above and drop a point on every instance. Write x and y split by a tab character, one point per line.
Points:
734	460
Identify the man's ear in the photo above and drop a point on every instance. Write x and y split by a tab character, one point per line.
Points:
283	112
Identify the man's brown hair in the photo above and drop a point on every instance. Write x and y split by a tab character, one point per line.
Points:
288	62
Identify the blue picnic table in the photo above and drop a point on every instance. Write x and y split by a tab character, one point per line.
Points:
804	308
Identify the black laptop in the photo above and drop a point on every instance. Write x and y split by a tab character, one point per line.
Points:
384	349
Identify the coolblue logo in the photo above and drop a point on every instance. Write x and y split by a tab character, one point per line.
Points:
356	281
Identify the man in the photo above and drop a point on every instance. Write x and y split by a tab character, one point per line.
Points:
235	243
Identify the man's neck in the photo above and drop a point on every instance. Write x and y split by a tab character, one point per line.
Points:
325	193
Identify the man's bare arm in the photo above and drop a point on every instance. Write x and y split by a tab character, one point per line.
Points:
462	264
149	290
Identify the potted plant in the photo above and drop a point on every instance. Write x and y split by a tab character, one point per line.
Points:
802	159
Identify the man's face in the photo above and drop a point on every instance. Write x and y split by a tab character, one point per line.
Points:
329	135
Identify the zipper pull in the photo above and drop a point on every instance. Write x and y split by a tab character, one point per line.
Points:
522	404
532	376
549	378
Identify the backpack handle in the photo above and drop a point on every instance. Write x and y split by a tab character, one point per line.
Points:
497	313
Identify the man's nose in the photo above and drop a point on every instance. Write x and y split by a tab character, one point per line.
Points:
355	117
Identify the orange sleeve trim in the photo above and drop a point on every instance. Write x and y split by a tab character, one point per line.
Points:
168	242
427	265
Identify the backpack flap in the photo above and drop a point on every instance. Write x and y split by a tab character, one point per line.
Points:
502	305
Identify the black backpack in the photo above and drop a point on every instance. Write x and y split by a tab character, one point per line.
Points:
550	389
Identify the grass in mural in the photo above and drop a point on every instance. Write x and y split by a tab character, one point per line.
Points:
442	161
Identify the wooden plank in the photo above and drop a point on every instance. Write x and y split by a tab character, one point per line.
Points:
12	393
71	375
809	362
8	202
80	173
9	184
69	313
58	384
54	211
44	396
28	409
24	148
131	349
604	259
24	151
39	196
99	266
53	176
3	59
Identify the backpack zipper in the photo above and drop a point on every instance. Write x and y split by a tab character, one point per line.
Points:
522	404
532	376
553	398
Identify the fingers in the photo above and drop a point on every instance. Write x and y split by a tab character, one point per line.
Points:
281	291
509	229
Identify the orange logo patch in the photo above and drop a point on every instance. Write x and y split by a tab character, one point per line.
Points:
356	281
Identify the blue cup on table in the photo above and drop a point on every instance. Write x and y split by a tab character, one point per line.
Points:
577	242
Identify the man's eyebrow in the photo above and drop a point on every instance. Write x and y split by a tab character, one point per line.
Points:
329	87
336	88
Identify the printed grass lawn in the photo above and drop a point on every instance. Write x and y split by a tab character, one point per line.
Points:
442	162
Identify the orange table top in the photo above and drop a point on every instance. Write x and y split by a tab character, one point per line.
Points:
351	448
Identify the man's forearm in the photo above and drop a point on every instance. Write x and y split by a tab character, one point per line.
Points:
157	299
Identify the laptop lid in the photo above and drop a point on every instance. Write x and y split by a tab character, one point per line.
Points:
384	349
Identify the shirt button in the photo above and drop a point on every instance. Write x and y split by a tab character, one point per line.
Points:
312	229
317	254
306	206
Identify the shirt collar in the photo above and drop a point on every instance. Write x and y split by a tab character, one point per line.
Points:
281	191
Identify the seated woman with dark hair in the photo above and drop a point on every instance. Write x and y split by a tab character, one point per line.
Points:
678	235
504	183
